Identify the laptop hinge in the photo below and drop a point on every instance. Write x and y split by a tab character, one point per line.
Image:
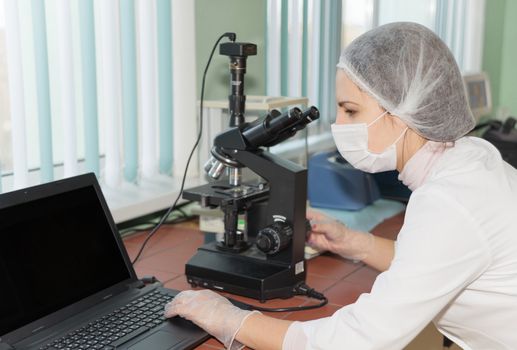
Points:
5	346
138	284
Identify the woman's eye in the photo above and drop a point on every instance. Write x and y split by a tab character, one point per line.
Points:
349	111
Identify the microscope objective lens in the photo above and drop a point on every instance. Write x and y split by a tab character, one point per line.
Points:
234	175
216	170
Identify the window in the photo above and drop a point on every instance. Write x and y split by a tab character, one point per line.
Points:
303	45
305	38
358	17
88	86
6	162
459	23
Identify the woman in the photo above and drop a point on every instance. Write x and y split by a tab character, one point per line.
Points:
402	105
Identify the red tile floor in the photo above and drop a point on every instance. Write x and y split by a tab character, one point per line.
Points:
342	281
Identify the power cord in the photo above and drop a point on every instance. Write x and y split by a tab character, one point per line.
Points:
148	225
232	37
301	289
148	222
493	124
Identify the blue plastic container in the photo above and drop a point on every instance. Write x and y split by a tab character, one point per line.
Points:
335	184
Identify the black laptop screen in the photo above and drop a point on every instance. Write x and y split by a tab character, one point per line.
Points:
54	251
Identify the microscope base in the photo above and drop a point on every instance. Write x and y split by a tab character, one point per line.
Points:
233	273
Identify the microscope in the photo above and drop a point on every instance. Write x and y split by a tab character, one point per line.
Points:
266	259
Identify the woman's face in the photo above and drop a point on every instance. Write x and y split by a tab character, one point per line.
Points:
355	106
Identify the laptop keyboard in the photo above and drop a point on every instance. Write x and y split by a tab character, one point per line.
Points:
118	327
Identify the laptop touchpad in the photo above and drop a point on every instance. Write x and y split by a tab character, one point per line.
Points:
161	340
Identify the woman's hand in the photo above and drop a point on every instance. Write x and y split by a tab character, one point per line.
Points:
210	311
332	235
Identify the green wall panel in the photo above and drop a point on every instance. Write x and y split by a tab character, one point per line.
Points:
247	19
508	87
500	54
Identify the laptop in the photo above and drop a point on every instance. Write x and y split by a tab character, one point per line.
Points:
66	281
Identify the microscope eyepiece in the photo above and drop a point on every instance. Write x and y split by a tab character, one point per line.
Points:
276	127
310	115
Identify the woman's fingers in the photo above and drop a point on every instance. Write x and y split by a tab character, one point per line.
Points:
325	226
174	307
319	222
318	241
314	215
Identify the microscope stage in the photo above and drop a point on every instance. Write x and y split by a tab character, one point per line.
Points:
214	193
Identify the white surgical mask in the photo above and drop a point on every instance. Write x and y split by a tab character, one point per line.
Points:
352	143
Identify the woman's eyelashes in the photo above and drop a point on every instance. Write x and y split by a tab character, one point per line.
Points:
345	108
349	112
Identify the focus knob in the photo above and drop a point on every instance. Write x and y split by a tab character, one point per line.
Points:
275	237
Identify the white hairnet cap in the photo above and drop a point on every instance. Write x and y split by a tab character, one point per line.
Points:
413	75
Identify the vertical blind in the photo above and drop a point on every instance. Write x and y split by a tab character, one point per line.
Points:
304	38
91	87
16	92
91	81
303	46
459	23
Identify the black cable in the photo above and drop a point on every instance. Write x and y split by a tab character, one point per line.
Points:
151	219
302	289
491	123
231	36
147	225
182	212
288	309
177	220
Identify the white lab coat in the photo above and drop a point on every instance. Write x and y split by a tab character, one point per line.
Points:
455	264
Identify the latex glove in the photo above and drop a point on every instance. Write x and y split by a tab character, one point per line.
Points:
332	235
212	312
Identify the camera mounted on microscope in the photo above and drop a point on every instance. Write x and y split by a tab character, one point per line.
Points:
238	53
